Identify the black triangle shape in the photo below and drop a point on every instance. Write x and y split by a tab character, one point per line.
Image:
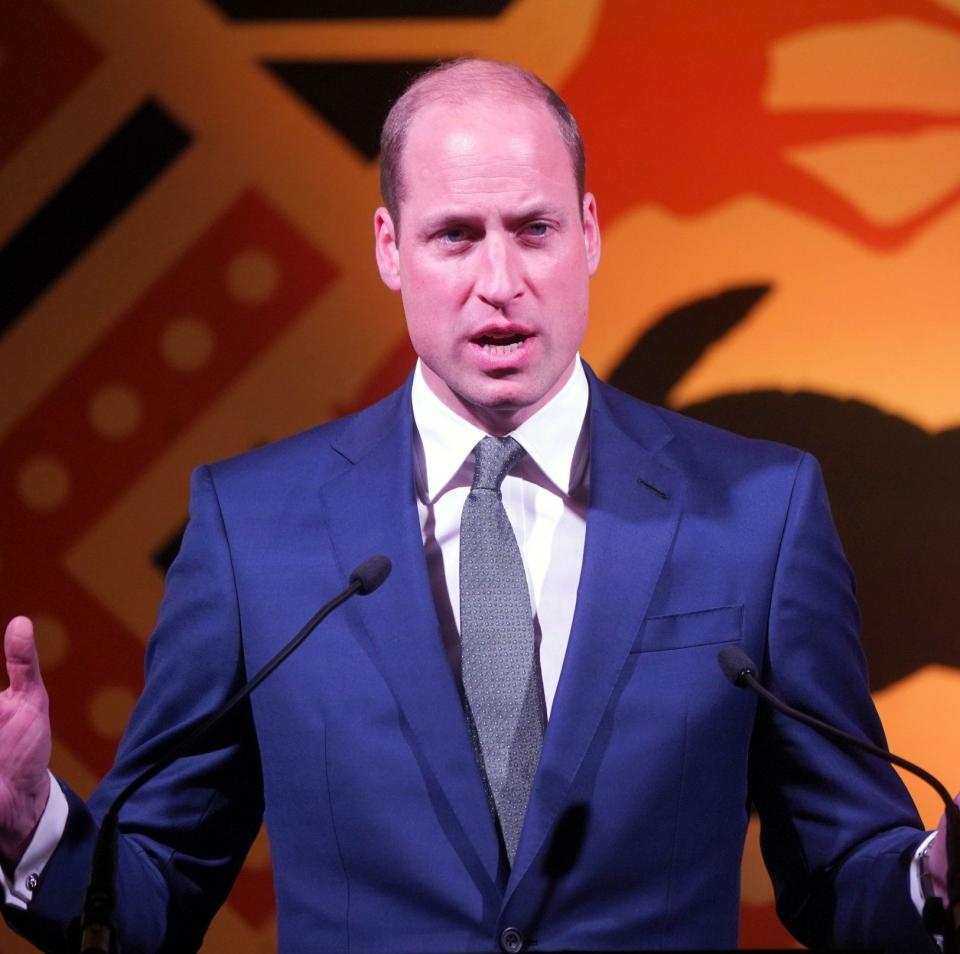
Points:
164	555
354	9
353	97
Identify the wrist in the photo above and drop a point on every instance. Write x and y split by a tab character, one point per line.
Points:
15	840
937	916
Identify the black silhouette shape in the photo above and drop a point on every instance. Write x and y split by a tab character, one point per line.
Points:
89	202
354	9
164	555
353	97
894	488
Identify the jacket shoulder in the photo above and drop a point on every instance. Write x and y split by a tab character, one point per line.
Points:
691	442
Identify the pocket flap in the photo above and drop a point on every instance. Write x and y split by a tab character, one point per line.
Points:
723	624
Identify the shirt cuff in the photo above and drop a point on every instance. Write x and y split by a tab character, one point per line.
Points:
917	895
18	891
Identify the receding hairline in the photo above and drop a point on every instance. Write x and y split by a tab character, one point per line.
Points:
461	82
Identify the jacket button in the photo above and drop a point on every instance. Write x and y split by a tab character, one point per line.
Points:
511	941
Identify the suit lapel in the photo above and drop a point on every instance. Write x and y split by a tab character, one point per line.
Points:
631	521
371	508
635	503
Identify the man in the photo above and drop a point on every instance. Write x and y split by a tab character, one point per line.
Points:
648	542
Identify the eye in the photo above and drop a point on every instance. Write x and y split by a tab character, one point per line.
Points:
454	235
536	231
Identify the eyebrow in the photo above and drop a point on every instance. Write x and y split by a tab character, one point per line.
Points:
535	212
450	217
447	218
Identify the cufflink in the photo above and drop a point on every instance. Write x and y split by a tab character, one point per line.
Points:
32	881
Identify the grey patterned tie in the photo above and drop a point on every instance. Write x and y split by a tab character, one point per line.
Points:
499	665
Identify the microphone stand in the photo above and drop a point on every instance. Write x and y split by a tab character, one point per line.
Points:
98	905
740	669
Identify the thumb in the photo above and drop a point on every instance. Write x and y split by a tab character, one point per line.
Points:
20	650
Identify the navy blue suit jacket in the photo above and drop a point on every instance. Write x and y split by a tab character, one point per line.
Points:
358	754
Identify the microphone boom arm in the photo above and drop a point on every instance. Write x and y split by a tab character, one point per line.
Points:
739	669
99	901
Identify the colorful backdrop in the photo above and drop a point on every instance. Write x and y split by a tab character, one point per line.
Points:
186	270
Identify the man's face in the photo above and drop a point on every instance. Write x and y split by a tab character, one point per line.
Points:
494	260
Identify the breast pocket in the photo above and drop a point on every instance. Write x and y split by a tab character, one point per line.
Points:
722	624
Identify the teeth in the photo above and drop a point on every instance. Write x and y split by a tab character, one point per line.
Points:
502	349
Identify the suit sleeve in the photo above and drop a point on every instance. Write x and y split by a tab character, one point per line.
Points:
838	830
184	836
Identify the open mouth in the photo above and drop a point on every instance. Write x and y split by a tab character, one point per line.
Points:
500	344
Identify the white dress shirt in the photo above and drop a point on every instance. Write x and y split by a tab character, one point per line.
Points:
18	890
545	497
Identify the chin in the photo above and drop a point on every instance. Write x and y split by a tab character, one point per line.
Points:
505	402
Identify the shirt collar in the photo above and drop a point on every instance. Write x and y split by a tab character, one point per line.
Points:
551	437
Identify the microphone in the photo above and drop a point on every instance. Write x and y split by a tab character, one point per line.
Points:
740	669
370	574
97	919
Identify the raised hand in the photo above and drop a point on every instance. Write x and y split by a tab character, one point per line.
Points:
24	743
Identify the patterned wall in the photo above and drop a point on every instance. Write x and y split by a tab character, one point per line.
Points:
186	192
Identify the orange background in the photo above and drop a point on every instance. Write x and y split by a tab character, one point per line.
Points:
807	153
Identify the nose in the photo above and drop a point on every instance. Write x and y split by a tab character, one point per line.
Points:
499	278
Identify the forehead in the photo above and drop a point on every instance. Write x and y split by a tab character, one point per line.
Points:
483	147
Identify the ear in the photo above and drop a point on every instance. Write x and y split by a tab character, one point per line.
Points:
388	252
591	232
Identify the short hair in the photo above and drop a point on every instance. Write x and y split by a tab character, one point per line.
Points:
459	81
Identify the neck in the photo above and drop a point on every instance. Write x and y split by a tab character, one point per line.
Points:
497	421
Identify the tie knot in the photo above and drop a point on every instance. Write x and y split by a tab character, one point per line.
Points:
494	458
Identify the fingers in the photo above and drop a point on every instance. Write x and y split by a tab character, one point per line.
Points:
20	650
